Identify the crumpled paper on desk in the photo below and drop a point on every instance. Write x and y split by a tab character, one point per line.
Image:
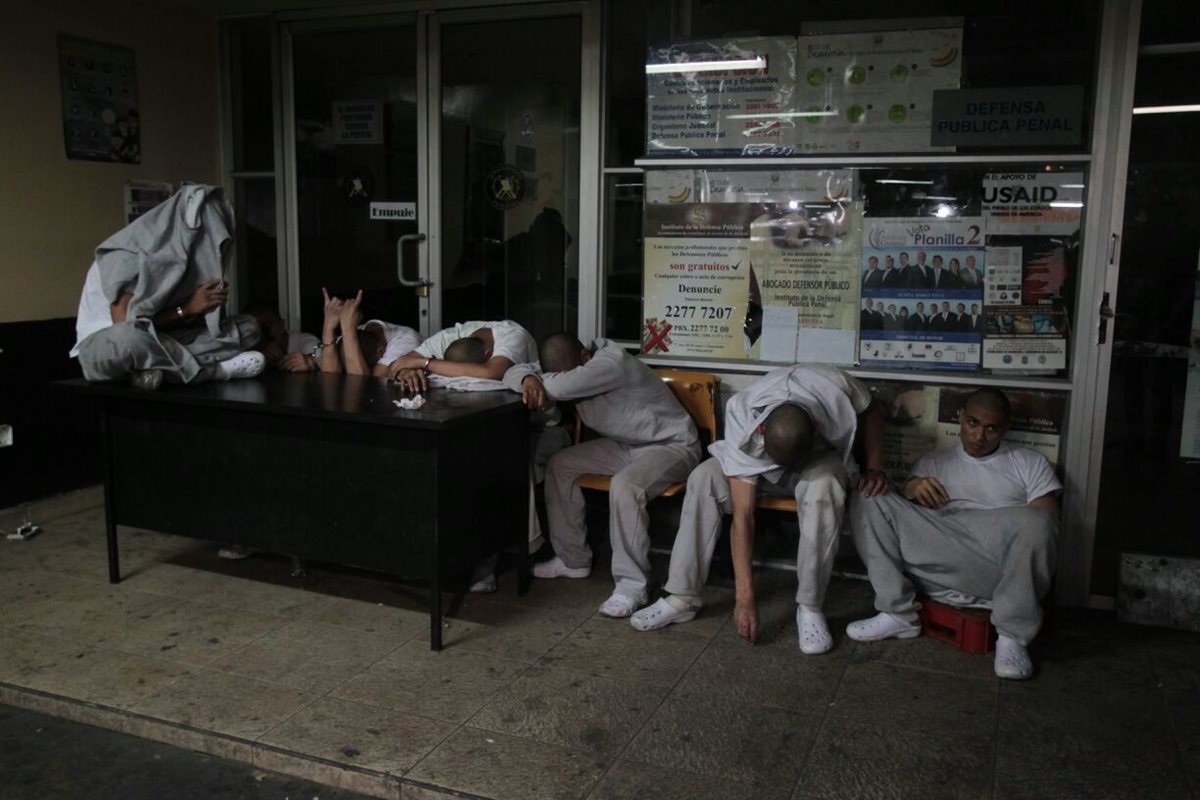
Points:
410	403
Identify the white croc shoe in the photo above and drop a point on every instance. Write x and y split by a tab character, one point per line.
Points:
1012	660
620	606
660	614
249	364
813	631
882	626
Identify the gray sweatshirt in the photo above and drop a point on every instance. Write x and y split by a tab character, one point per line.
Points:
617	396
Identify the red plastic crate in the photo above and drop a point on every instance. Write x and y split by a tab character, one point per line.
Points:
967	629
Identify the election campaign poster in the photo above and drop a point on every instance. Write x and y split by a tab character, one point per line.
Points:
698	106
696	283
805	259
872	92
922	293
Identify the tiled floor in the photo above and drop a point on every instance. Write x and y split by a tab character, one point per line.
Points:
330	678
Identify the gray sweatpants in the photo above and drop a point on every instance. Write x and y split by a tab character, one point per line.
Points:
119	350
639	474
820	492
544	442
1007	554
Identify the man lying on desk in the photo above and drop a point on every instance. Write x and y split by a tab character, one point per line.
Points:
152	306
977	520
504	343
470	355
650	442
369	348
789	434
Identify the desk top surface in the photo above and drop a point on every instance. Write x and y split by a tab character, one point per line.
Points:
316	395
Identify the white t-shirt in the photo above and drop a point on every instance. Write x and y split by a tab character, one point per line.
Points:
304	343
832	397
511	341
1011	476
95	312
400	340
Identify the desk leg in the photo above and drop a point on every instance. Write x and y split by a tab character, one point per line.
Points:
110	510
435	606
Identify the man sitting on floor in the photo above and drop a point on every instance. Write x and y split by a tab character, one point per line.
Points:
789	434
979	518
650	442
152	306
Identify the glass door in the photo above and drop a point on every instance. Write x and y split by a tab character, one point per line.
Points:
507	134
357	191
1150	472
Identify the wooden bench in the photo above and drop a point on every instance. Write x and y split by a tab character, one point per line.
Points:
697	393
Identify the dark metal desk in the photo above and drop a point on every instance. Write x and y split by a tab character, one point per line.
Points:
324	467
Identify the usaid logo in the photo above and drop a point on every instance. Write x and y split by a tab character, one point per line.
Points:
403	212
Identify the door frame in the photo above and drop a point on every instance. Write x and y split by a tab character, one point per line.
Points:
290	285
1103	228
428	23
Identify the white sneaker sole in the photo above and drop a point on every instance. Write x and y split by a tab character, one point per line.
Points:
660	621
911	633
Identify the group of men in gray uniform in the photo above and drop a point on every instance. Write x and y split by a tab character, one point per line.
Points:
975	524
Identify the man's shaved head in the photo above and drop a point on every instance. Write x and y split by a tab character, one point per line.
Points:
991	400
467	350
788	435
560	352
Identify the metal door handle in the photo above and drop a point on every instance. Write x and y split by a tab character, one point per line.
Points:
1106	313
403	240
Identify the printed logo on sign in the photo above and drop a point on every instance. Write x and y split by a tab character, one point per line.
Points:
394	211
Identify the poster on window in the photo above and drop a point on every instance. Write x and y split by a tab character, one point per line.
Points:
922	292
805	260
99	101
697	107
775	186
1028	289
696	283
670	186
872	92
1029	339
1033	203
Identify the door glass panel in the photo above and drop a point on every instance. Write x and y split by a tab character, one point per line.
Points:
356	144
1151	466
509	172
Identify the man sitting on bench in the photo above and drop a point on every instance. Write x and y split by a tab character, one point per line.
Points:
153	301
650	442
789	434
980	518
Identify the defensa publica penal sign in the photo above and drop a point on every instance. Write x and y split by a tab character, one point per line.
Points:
1022	115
